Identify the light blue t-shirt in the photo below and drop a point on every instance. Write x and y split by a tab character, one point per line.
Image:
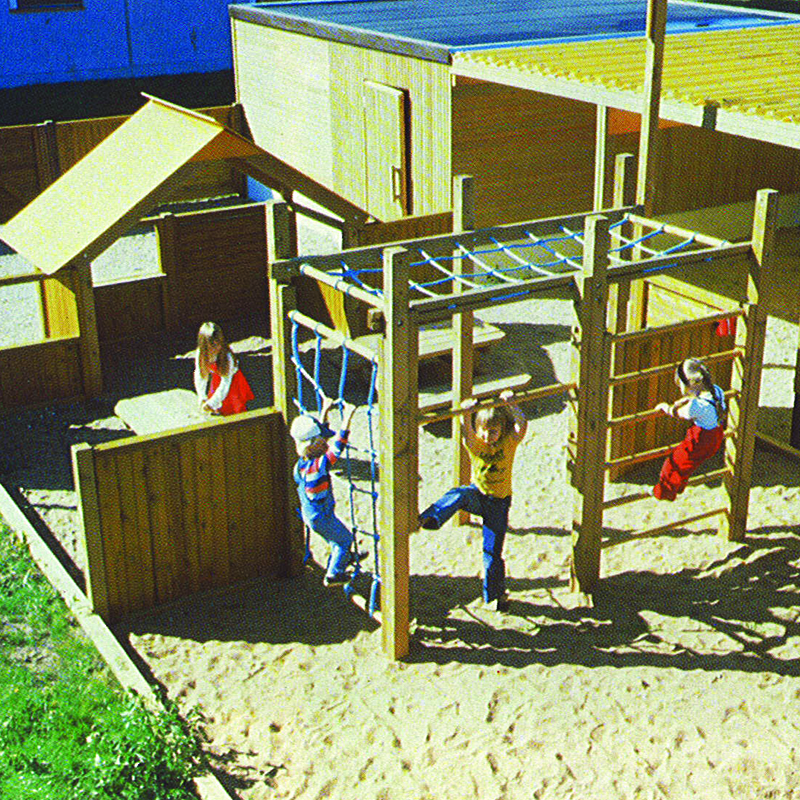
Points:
703	411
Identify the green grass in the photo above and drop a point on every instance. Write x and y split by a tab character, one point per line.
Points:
67	730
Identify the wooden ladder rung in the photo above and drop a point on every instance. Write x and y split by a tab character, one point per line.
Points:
430	401
650	532
695	480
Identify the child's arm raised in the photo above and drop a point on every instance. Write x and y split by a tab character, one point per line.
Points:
520	421
467	424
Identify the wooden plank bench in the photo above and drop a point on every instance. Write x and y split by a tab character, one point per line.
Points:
160	411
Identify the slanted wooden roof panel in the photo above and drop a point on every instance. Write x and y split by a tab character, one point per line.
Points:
74	215
750	77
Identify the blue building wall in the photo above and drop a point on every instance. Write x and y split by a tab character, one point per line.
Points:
108	39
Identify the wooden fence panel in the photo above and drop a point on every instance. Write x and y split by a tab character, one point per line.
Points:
667	302
188	510
36	374
129	308
215	262
19	178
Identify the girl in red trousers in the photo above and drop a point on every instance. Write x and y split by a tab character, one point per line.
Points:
220	385
703	403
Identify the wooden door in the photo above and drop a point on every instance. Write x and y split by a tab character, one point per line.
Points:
387	187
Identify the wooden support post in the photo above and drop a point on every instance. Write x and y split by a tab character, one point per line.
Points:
624	195
794	434
45	144
89	342
746	378
600	142
282	243
399	449
463	325
648	139
593	377
92	541
167	243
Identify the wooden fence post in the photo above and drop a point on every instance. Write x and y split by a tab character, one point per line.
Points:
282	244
399	449
600	147
90	523
167	239
463	325
593	383
746	378
89	343
45	143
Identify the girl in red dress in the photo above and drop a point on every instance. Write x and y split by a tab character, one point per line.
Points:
220	385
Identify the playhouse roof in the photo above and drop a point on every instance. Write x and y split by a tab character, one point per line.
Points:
744	82
132	171
431	29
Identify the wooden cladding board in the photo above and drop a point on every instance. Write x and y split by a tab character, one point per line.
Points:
59	308
25	170
532	154
36	374
130	308
699	168
665	305
190	510
316	88
218	267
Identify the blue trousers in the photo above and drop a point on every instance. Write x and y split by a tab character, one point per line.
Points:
335	532
493	512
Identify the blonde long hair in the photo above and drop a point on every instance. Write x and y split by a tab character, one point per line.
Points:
692	373
211	334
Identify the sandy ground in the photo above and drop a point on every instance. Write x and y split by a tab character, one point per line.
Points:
682	679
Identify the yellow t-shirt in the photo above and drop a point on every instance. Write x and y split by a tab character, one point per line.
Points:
491	466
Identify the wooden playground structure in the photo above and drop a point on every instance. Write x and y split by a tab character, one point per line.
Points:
598	260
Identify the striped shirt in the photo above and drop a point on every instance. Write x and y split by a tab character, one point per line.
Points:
312	476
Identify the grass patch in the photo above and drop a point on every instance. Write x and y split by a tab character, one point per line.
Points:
67	729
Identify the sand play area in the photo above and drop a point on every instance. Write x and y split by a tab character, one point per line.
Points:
681	680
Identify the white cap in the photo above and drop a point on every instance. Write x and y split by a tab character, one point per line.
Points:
305	428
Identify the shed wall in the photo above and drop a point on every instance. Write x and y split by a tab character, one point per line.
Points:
532	154
315	89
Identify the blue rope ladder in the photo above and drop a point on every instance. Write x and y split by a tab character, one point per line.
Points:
370	529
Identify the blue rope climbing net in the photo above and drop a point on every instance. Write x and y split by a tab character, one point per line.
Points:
313	380
529	256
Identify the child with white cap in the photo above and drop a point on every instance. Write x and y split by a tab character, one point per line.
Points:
312	476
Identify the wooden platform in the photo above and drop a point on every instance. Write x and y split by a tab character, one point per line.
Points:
160	411
436	339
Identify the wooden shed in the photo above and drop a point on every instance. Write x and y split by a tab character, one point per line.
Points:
385	101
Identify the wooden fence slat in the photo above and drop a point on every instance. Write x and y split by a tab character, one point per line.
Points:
189	503
204	513
165	578
233	479
217	562
112	533
129	517
144	532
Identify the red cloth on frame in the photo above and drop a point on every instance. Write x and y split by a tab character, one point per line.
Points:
698	446
239	395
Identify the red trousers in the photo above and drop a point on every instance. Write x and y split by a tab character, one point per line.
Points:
698	446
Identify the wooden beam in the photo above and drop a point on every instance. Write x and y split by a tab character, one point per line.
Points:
648	134
282	243
593	392
88	342
794	435
600	142
743	410
463	325
399	448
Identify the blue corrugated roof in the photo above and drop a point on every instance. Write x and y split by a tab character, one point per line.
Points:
465	24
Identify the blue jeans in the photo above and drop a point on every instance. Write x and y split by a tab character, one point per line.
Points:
335	532
493	511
